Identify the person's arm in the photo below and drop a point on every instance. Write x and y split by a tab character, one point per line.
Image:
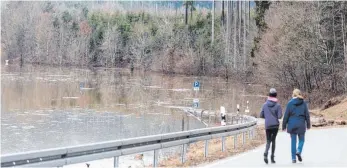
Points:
262	112
307	117
279	112
285	118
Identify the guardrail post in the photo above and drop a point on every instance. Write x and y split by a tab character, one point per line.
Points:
155	158
184	150
253	133
206	148
243	138
116	162
223	144
235	141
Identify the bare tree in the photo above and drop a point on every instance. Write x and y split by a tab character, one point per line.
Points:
212	36
235	18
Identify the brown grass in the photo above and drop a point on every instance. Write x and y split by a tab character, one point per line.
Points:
195	153
336	112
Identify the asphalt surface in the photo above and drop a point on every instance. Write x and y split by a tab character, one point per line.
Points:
323	147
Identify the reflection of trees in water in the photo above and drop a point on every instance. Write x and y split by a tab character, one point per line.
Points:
115	87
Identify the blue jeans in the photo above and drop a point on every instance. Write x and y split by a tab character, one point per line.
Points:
300	146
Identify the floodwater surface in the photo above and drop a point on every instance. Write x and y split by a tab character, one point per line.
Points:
45	107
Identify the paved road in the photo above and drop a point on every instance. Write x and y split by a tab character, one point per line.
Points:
324	147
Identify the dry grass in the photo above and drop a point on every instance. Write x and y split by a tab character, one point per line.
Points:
195	153
336	112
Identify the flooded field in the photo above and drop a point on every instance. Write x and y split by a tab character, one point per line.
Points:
44	107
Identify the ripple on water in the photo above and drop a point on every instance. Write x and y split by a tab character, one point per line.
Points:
40	114
28	127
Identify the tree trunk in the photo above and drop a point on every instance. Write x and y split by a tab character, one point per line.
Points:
108	43
249	14
244	37
344	48
239	15
212	38
235	32
191	13
343	39
227	37
222	17
186	12
61	46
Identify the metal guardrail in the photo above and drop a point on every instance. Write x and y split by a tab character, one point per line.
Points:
58	157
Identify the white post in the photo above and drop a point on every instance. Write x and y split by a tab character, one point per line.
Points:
222	112
6	62
115	162
184	150
235	141
243	138
247	108
237	113
223	144
206	148
155	158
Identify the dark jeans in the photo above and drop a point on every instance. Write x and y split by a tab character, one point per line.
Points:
271	139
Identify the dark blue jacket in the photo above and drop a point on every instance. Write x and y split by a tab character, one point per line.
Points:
296	118
271	112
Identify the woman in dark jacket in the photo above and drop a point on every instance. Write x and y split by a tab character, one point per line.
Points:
296	120
271	112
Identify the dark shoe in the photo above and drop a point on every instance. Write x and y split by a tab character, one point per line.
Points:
265	158
293	161
299	157
273	159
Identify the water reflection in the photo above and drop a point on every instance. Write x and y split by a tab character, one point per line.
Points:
44	107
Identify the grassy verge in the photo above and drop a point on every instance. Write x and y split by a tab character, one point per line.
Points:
195	152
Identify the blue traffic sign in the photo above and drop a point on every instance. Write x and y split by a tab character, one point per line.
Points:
196	84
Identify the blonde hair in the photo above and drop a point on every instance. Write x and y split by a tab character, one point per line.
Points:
297	93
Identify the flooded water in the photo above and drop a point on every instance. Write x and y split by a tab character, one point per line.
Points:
45	107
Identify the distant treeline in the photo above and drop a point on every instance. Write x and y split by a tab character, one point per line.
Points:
189	39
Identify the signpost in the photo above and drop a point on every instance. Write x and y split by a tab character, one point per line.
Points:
247	109
196	103
196	85
223	116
